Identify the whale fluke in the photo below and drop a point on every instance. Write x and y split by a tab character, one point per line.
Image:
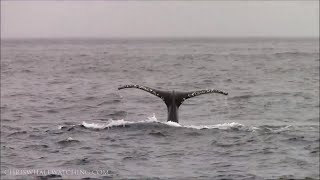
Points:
173	99
149	90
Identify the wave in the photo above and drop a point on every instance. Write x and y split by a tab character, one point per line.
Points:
153	119
296	53
68	141
117	123
153	122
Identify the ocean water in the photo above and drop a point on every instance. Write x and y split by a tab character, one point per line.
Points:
62	116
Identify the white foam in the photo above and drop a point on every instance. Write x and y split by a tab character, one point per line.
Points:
93	125
60	127
253	129
174	124
217	126
153	119
120	122
280	129
117	123
114	123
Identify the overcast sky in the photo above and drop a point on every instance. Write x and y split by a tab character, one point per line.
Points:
159	19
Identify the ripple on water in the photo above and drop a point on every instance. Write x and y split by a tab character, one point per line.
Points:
68	142
157	134
18	133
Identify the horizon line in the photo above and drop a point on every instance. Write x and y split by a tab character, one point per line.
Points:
162	37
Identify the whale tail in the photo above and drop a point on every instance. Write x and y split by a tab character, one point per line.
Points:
164	95
173	99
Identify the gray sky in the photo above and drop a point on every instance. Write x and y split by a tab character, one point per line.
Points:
159	19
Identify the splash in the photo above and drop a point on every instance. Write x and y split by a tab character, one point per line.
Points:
153	119
174	124
69	139
277	129
117	123
223	126
94	125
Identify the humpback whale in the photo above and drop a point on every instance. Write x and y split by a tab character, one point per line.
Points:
173	99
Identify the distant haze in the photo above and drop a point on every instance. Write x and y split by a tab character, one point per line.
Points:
159	19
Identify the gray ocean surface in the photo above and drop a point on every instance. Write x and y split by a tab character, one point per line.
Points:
62	116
